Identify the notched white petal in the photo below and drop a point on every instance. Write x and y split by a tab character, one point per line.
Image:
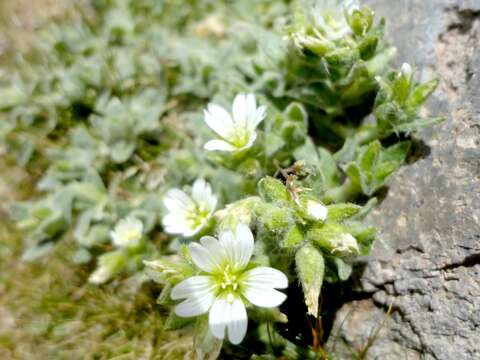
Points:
239	109
217	318
237	321
244	244
177	200
199	292
202	258
263	296
192	286
219	120
267	277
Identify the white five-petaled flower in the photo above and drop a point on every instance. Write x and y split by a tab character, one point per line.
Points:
127	232
330	16
188	214
317	210
236	131
228	281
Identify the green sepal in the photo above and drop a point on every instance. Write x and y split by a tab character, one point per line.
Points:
292	238
340	212
206	346
174	322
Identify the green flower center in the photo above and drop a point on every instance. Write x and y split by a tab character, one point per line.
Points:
229	283
132	234
197	215
240	137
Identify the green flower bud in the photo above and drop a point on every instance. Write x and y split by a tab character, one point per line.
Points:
310	269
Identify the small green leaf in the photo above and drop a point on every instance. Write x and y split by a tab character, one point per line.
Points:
365	236
296	112
369	157
329	169
340	212
419	123
421	93
307	153
344	270
355	174
272	190
347	152
37	251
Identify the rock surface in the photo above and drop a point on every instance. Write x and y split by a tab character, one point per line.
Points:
426	261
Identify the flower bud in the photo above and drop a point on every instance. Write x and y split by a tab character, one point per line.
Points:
310	269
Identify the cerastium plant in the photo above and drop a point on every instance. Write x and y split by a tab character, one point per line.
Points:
231	158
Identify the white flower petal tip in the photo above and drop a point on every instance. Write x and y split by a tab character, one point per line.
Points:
227	280
127	232
317	210
406	70
189	214
236	131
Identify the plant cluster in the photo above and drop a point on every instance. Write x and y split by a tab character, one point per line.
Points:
226	150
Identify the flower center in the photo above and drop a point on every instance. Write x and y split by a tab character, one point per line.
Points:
132	234
230	280
197	214
240	137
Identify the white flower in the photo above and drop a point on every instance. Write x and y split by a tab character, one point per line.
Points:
127	232
228	283
330	16
189	214
345	243
236	131
317	210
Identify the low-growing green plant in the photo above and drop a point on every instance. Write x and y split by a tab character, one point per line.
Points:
227	151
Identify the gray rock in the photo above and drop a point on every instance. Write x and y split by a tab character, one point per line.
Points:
426	262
